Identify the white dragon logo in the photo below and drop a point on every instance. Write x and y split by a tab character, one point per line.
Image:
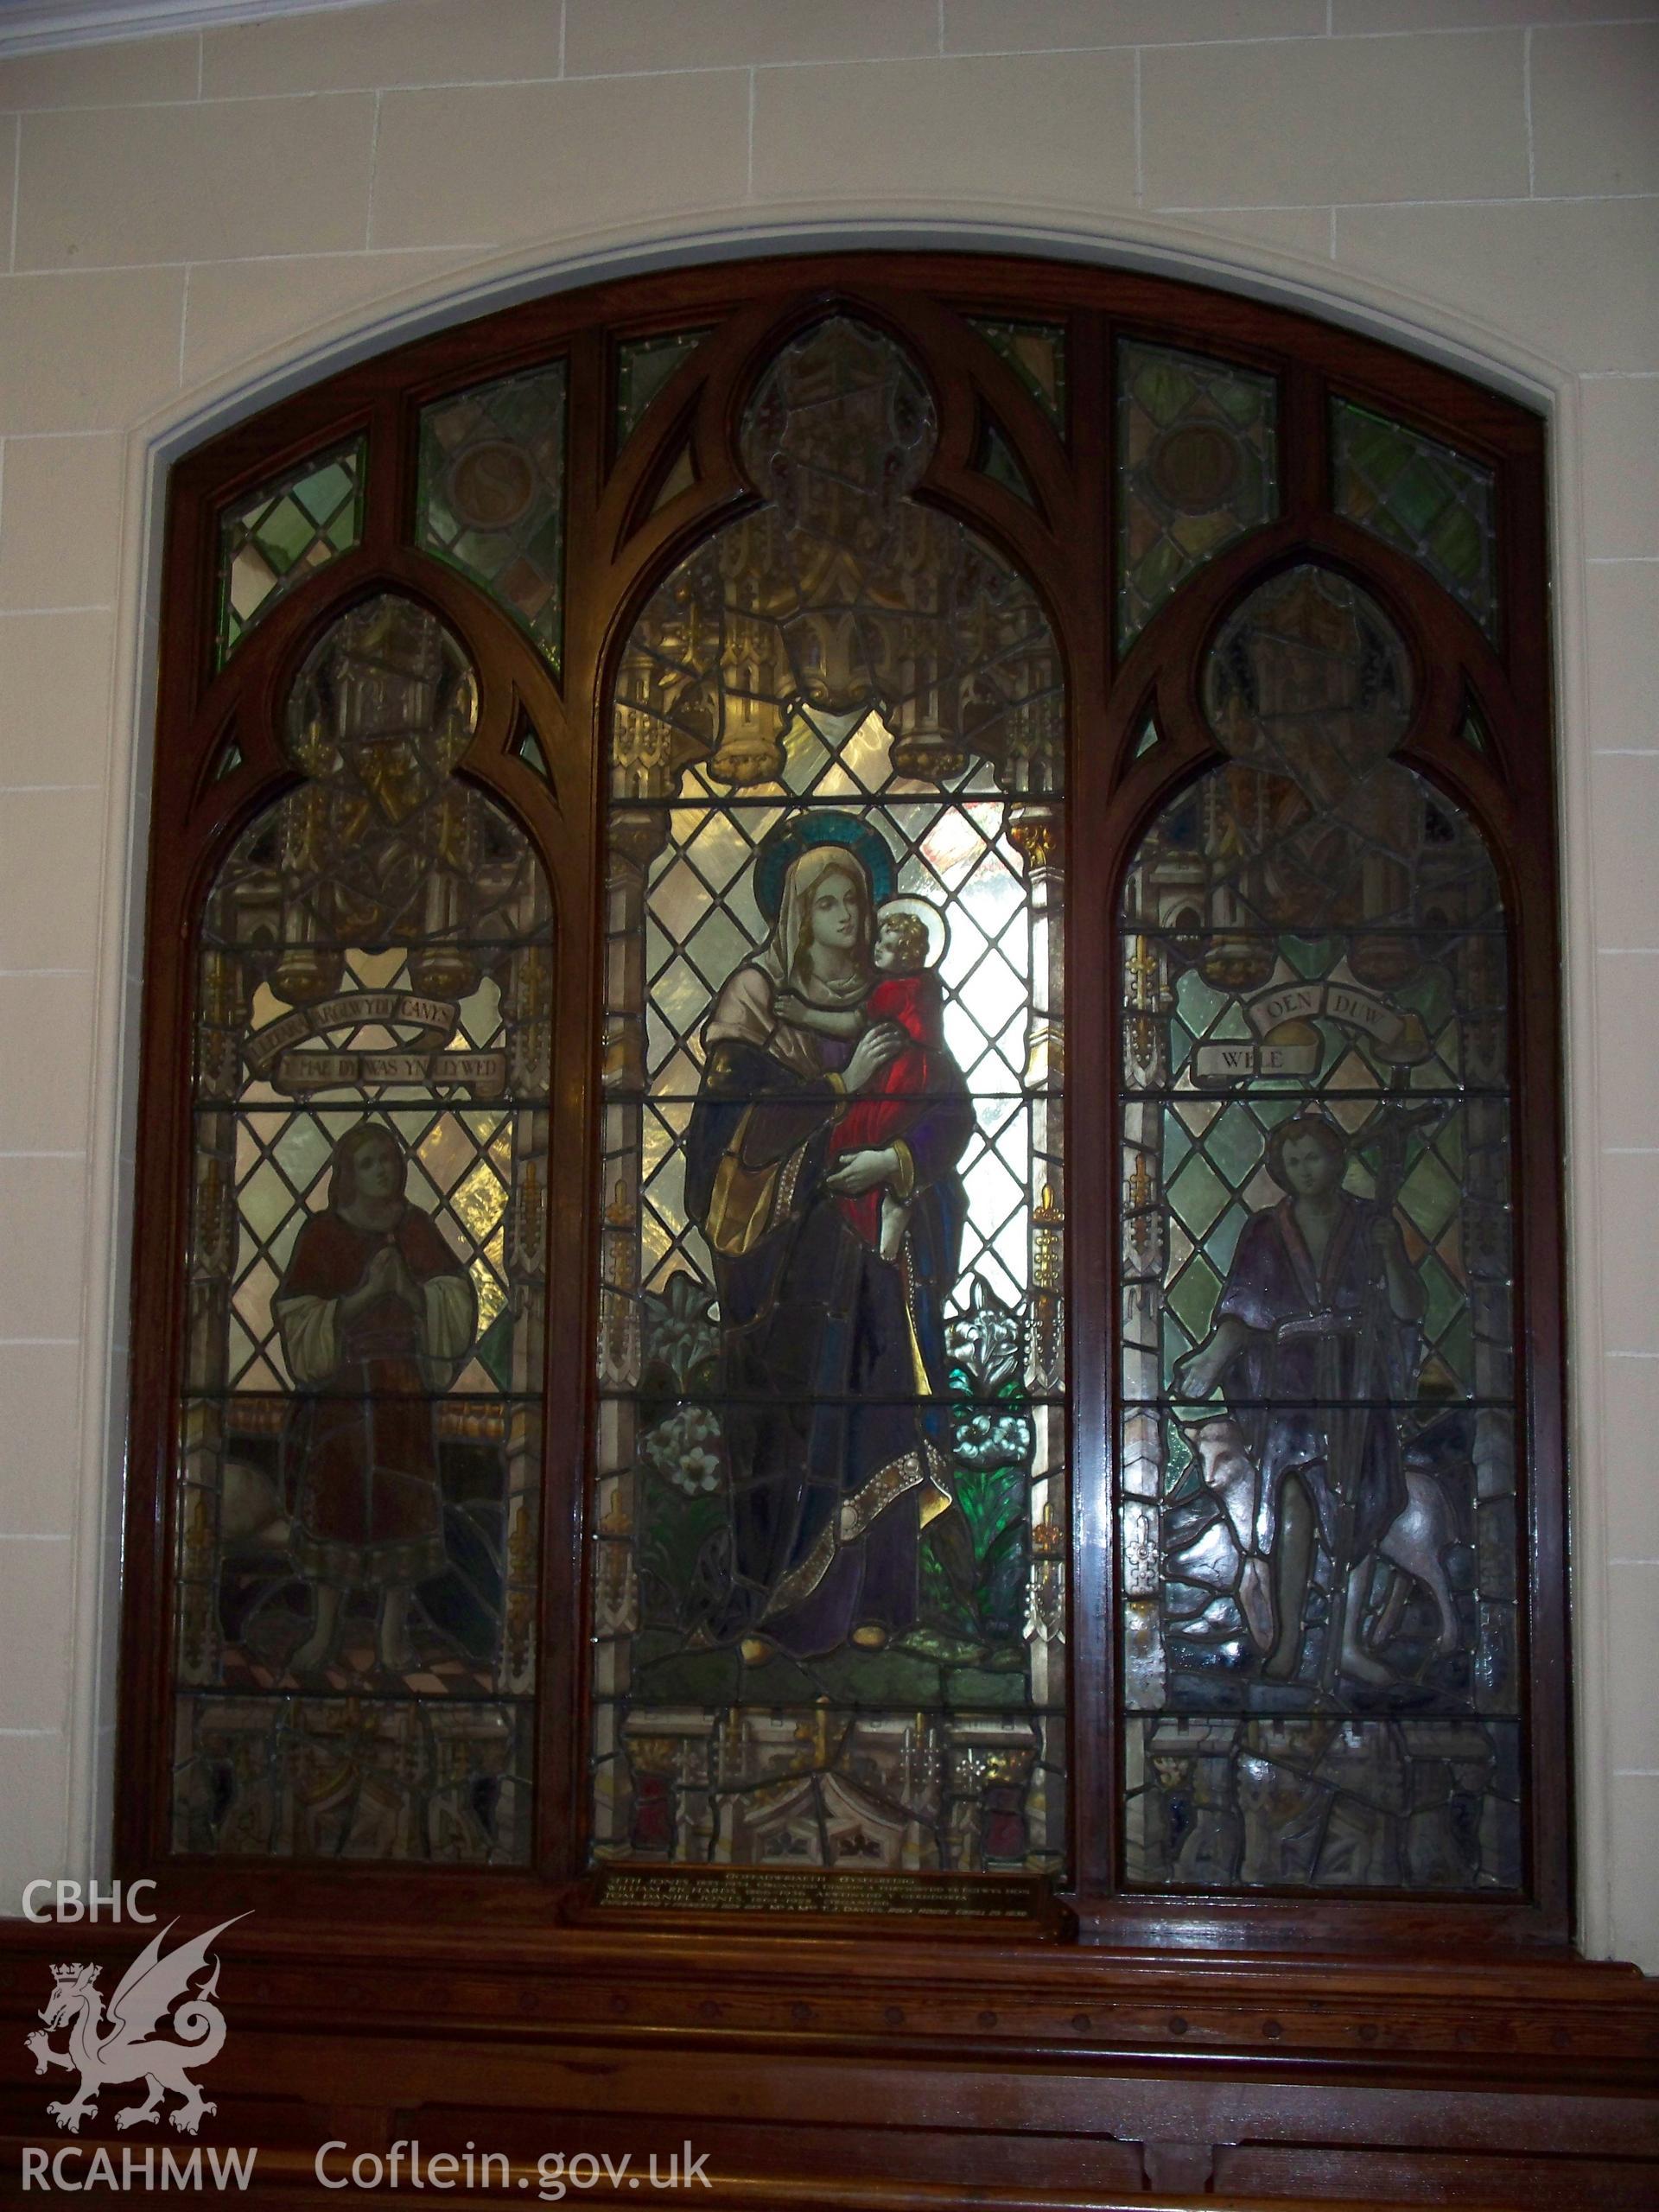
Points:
121	2047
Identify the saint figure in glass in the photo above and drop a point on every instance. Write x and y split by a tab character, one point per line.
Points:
376	1311
1314	1337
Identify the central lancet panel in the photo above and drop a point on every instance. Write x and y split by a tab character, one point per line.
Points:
828	1611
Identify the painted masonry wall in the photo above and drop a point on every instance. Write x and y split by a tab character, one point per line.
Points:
190	222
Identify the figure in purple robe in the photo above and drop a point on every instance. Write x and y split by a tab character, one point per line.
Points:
1314	1344
832	1357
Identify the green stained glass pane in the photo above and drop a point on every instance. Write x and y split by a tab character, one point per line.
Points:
491	495
269	544
643	365
1436	504
1177	1145
1036	354
996	460
1150	737
1234	1143
1198	1195
229	762
1196	466
1200	1004
1193	1296
529	749
1428	1197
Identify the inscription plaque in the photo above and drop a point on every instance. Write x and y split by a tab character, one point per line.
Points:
754	1888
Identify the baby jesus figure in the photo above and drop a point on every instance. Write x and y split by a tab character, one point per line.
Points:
907	991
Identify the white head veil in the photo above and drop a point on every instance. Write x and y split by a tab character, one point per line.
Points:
744	1011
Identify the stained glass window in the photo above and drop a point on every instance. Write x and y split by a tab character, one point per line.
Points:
1317	1509
273	542
753	1553
359	1486
1198	461
1036	354
491	495
829	1610
1436	504
643	365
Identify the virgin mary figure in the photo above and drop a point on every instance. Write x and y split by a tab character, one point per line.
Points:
832	1357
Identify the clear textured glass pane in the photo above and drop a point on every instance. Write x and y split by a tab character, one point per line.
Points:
491	495
273	542
1197	468
831	1497
1315	1484
1436	504
359	1466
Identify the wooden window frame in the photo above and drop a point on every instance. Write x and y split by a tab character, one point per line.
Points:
616	547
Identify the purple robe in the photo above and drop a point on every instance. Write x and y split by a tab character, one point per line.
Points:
1325	1348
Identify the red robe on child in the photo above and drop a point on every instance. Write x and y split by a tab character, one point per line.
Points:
882	1113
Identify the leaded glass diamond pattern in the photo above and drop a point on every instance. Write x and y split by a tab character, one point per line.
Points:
491	495
360	1457
459	1170
1214	1176
1316	1372
1436	504
703	922
1197	464
289	531
842	676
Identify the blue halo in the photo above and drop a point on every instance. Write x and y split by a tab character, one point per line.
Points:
799	834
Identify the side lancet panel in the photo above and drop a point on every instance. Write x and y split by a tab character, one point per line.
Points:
359	1464
1317	1514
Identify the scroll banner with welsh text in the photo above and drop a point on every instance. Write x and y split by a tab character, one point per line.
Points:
1282	1016
276	1051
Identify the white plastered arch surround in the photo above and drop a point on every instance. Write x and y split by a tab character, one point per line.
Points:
1180	249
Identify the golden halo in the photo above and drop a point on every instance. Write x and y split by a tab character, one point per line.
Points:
931	920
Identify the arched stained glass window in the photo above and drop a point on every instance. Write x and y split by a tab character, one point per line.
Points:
844	1205
362	1420
832	1419
1318	1479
